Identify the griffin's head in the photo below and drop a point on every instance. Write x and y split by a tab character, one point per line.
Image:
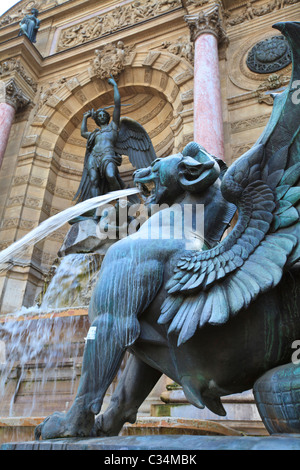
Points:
168	177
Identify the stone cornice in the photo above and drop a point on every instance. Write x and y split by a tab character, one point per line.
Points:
20	59
209	22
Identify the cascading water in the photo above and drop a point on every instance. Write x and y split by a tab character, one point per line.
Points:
57	221
72	282
35	350
38	345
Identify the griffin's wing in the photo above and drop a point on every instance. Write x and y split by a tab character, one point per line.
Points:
134	141
211	286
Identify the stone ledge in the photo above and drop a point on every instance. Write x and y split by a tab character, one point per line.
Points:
177	426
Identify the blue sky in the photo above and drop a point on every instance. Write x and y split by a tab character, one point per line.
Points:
6	4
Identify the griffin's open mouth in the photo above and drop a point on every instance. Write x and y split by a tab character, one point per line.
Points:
147	188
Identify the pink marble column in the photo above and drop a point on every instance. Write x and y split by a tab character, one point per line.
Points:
7	115
208	118
12	99
206	33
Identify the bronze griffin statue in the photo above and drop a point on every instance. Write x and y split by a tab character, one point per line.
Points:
212	314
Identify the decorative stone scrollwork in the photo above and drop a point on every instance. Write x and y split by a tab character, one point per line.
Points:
47	91
15	96
120	17
269	55
17	12
111	59
196	3
9	66
209	22
183	48
273	82
250	12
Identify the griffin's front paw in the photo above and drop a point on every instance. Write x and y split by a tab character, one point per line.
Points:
52	427
74	423
99	429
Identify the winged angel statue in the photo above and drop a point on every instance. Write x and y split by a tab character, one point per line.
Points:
106	144
213	314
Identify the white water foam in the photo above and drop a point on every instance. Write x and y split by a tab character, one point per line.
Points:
57	221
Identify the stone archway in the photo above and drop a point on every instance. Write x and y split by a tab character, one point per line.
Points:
159	85
155	74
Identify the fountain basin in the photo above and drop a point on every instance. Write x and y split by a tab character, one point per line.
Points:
146	426
64	313
53	328
46	386
18	429
37	382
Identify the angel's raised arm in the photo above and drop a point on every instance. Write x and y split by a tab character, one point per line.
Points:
84	131
117	101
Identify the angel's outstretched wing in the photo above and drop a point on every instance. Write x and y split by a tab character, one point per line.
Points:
134	141
213	285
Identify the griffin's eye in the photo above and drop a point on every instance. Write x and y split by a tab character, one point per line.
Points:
155	161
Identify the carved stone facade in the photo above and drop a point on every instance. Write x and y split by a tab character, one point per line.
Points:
250	10
115	19
206	22
149	46
14	96
112	59
7	67
182	47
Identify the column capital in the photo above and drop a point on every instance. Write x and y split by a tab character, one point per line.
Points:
12	94
209	22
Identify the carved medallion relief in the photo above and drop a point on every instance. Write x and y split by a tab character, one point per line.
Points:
262	53
252	63
270	55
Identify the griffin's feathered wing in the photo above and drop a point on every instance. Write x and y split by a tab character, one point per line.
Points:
211	286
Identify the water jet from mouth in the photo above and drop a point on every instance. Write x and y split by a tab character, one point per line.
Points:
57	221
